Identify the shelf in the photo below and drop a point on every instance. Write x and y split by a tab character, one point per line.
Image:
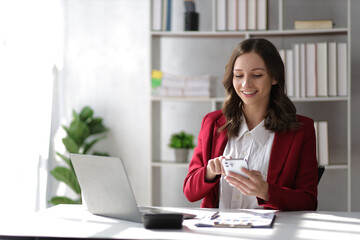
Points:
336	166
183	99
290	32
197	34
293	32
320	99
169	164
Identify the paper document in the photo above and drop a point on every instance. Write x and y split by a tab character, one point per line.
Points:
239	219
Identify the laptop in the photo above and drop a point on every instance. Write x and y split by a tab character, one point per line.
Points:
106	188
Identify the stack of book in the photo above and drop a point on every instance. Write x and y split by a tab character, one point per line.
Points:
313	24
171	85
322	142
239	15
316	69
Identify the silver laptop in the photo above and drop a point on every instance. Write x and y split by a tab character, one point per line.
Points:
106	188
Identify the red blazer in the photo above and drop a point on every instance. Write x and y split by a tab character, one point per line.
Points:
292	174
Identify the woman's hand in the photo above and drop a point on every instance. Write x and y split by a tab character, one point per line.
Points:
214	168
252	186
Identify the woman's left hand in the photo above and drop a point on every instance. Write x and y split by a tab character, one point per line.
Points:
254	185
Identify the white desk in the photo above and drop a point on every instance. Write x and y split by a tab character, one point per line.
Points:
73	221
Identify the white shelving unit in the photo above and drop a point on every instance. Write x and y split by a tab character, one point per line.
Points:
207	51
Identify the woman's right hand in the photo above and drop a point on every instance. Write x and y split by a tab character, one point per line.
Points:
214	168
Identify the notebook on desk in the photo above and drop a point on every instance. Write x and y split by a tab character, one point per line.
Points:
107	190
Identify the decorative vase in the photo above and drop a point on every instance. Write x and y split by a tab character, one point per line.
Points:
181	155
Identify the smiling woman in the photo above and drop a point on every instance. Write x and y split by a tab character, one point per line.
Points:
258	123
30	37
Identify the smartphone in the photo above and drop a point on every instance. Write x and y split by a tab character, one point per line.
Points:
235	165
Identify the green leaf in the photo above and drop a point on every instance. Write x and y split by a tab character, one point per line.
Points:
67	176
67	130
66	159
86	113
181	140
70	145
100	153
79	131
91	143
96	126
64	200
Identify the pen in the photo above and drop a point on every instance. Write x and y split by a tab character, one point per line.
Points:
216	225
215	215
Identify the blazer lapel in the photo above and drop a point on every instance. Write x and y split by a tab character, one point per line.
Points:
279	152
219	139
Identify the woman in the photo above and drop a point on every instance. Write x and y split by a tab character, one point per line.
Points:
258	122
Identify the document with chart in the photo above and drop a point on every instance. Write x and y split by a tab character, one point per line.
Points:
239	219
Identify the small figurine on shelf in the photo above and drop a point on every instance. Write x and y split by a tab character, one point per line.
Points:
191	16
181	142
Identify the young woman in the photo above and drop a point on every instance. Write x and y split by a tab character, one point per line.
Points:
258	122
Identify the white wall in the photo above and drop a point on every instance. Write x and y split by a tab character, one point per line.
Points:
106	66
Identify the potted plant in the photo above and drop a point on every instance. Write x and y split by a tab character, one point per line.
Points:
181	142
84	131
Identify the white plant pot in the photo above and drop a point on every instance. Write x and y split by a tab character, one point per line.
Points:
181	155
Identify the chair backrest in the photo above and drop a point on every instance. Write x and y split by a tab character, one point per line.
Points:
321	170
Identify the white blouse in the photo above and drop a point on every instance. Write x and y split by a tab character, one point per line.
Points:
255	146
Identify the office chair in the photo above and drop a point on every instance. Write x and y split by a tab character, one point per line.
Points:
321	170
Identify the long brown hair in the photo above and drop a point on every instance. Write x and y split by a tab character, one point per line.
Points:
281	115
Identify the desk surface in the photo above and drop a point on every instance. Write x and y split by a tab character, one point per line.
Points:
74	221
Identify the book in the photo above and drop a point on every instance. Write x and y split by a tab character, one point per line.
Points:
302	70
181	92
231	15
313	24
156	15
166	92
198	81
196	92
221	23
177	16
168	15
332	69
164	14
342	76
322	69
283	56
156	77
323	143
297	72
252	16
262	14
172	81
171	85
174	92
316	127
311	70
242	14
237	15
289	71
